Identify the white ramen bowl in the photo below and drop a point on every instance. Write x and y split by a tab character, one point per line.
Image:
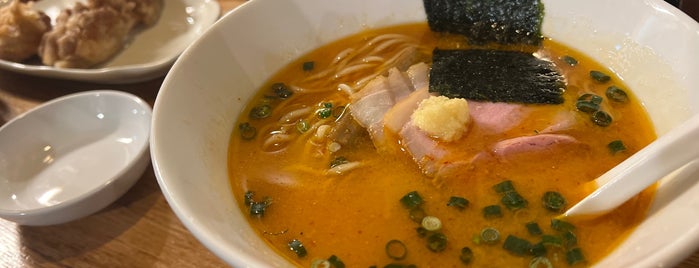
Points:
651	45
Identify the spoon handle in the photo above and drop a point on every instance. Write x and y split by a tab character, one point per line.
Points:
666	154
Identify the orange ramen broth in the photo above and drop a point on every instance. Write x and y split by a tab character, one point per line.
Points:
354	215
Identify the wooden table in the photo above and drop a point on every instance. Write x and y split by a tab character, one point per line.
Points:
138	230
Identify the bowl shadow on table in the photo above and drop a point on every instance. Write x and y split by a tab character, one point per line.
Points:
70	242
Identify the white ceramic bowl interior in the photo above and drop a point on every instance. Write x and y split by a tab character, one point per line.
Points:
652	46
72	156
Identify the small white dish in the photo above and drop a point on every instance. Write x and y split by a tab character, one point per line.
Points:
149	54
72	156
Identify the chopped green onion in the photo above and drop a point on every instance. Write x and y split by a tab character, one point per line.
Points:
551	241
600	76
575	256
437	242
593	98
297	247
336	262
493	211
504	187
466	255
490	235
569	60
302	126
421	231
540	260
338	161
601	118
534	228
538	249
553	201
458	202
323	113
617	94
248	198
561	226
395	249
281	90
247	132
261	111
616	146
569	239
308	65
513	201
431	223
411	200
259	208
516	245
587	106
417	214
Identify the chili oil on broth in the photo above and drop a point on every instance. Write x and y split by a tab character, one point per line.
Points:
354	215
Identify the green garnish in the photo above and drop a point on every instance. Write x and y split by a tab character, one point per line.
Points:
395	249
259	208
261	111
600	76
533	228
248	198
431	223
569	60
504	187
551	241
616	146
302	126
586	106
458	202
466	255
411	200
601	118
308	66
492	211
516	245
617	94
297	247
569	239
538	250
325	111
553	201
513	201
338	161
247	131
336	262
561	226
416	214
437	242
281	90
575	256
490	235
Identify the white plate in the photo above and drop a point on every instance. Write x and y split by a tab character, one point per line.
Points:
149	55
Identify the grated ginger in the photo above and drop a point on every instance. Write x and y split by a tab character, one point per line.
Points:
442	118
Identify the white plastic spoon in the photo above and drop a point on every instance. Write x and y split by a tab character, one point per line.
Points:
668	153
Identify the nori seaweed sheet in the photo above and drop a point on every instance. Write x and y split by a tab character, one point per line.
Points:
496	76
505	22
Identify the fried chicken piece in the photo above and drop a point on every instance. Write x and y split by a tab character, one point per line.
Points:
91	33
21	29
